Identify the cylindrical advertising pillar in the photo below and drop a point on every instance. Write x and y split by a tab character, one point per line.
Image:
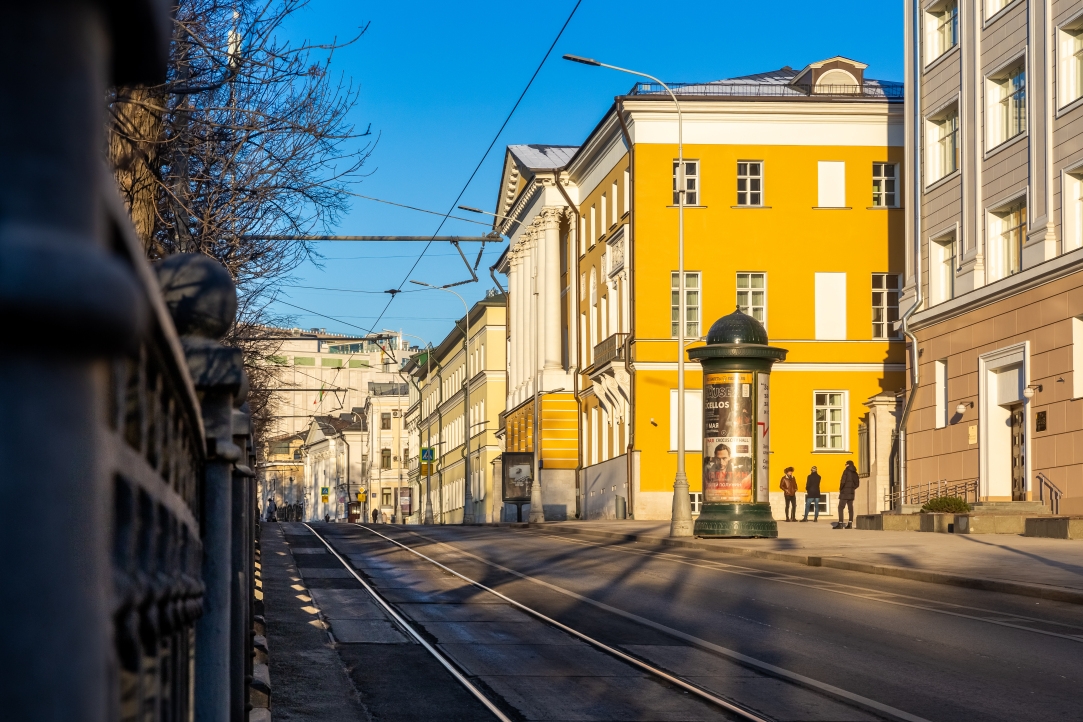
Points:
736	428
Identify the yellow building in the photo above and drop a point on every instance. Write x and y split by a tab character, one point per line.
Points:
456	398
792	213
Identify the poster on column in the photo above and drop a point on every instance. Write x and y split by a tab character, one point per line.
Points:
763	430
728	437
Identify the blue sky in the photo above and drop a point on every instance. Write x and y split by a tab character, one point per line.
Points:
437	79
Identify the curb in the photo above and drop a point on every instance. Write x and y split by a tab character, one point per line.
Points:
1040	591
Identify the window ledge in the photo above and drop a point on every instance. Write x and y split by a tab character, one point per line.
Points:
686	206
941	181
1006	144
883	208
1072	105
832	208
752	207
940	58
999	14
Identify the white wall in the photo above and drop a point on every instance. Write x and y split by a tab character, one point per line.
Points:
831	306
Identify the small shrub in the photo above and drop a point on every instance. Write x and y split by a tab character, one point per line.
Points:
945	505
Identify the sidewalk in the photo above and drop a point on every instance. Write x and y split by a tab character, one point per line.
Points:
1029	566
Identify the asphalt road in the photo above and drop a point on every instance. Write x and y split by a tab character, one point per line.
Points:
935	652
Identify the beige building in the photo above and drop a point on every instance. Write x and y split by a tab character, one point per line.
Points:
282	472
388	449
457	401
995	227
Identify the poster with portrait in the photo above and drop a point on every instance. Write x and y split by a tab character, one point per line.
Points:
728	436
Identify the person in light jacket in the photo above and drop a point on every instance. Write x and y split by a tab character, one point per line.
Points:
812	495
789	492
847	486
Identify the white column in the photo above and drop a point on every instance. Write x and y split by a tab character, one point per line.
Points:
550	290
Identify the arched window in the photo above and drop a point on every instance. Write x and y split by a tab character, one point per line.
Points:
837	81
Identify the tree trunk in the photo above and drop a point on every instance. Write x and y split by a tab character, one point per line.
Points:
134	141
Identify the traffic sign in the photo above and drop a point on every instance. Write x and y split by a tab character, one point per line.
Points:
428	454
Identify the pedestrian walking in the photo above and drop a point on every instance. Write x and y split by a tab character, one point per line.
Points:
271	510
847	486
375	516
789	491
812	495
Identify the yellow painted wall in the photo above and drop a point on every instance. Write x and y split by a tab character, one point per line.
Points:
790	242
559	430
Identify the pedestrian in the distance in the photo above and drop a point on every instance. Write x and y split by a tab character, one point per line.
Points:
789	491
272	509
812	495
847	486
375	515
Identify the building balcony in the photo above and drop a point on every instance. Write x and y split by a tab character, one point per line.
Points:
611	349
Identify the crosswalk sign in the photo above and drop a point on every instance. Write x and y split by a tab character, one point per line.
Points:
428	454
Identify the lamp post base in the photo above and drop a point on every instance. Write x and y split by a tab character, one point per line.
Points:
736	520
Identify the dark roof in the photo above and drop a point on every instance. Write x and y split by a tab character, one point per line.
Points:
737	327
536	156
388	389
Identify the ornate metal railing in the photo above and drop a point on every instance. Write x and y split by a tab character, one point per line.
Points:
878	90
921	493
134	560
611	349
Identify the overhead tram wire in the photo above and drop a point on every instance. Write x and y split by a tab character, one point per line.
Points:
483	157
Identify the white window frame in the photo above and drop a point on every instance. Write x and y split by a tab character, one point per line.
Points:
1077	357
627	190
938	133
940	379
845	448
998	91
614	209
748	290
593	226
935	17
693	420
995	7
997	227
1071	209
888	322
693	194
1070	61
889	181
675	307
604	216
750	180
944	261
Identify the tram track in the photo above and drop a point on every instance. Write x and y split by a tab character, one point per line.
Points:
728	705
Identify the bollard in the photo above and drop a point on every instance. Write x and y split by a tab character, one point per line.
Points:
736	428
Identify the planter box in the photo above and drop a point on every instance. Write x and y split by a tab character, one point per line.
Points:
937	523
1055	527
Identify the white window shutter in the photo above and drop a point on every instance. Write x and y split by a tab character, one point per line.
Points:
832	184
831	306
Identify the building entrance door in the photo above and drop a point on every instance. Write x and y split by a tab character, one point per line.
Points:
1019	441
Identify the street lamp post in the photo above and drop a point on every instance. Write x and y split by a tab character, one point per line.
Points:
468	498
681	521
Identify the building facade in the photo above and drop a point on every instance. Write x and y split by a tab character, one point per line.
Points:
388	449
457	397
335	465
995	224
793	214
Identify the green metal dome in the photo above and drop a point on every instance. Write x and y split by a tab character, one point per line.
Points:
737	328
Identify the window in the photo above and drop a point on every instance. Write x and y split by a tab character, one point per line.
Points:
1077	357
1007	226
696	497
829	413
941	29
691	307
605	215
1072	208
752	295
385	458
593	227
627	191
385	497
885	304
830	306
691	183
750	183
613	195
992	7
942	134
1007	105
693	420
831	180
883	185
582	235
943	265
941	381
1070	78
385	421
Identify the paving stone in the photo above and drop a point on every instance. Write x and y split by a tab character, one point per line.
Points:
366	631
347	604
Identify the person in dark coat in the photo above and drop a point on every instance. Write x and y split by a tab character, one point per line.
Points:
812	495
788	484
272	510
847	486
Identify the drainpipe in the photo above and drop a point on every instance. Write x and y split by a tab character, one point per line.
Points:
573	328
630	426
915	203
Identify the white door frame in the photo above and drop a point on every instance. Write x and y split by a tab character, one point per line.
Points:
988	365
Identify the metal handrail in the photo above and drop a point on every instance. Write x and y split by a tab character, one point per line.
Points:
1045	484
879	90
932	490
